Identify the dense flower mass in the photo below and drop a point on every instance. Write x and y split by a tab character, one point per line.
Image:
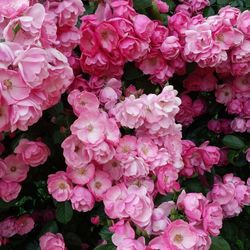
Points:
130	119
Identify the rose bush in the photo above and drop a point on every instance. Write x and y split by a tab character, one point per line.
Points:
124	125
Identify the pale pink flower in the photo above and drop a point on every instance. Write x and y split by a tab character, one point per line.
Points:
89	127
76	154
81	198
50	241
59	186
180	235
192	204
103	152
126	147
33	153
12	8
24	224
170	48
146	149
229	15
12	86
138	244
99	184
113	168
81	175
243	23
16	170
212	218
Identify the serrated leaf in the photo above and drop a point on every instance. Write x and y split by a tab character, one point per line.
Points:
233	142
219	243
105	247
64	212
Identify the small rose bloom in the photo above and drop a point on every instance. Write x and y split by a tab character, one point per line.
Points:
243	23
50	241
33	153
8	227
16	170
9	190
24	224
81	175
59	186
82	200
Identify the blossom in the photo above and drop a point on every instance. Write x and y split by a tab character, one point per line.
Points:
50	241
24	224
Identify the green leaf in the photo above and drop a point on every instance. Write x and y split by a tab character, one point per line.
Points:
233	142
64	212
16	28
247	3
32	246
105	247
208	11
219	243
6	205
105	234
171	4
142	4
51	226
222	2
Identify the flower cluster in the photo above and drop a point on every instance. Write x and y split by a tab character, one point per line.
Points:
116	34
15	167
12	226
34	73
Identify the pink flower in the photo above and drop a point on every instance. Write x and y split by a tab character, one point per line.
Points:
113	168
33	66
192	204
143	26
103	152
160	220
107	36
248	154
167	179
76	154
180	235
122	230
81	175
50	241
33	153
8	227
83	101
170	48
12	87
114	201
99	184
229	15
82	200
9	190
197	5
212	218
26	29
59	186
16	170
243	23
3	167
24	224
224	93
12	8
89	127
126	147
238	125
4	115
162	6
146	149
138	244
68	12
132	48
138	206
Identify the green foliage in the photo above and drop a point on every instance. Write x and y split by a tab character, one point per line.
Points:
234	142
64	212
219	243
106	247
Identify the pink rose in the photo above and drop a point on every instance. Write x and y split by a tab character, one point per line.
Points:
24	224
229	15
16	170
192	204
76	154
9	190
59	186
243	23
138	244
170	48
82	200
12	8
212	218
8	227
33	153
81	175
50	241
180	235
99	184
